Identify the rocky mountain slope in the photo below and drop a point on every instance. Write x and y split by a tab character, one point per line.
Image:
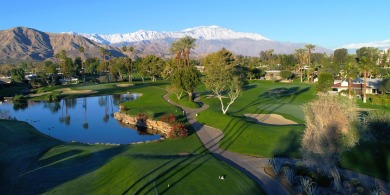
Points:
23	43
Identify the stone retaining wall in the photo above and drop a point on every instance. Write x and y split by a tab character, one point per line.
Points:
161	127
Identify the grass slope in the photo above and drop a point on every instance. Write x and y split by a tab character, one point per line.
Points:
244	135
34	163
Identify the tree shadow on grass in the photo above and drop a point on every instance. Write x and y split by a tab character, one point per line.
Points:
288	145
168	171
369	158
64	167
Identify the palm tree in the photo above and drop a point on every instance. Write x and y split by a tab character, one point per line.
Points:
182	47
300	55
366	57
187	43
85	124
103	54
310	48
130	70
132	50
349	73
81	50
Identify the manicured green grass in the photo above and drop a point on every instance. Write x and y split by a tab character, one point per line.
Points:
184	101
33	163
243	135
370	158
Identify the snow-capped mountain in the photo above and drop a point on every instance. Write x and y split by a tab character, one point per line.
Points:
379	44
199	33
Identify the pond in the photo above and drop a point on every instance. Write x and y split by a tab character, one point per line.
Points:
85	120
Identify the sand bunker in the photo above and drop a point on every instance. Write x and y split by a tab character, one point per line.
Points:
125	85
87	91
39	94
68	91
271	119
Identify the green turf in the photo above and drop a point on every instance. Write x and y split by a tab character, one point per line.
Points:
243	135
33	163
184	101
370	158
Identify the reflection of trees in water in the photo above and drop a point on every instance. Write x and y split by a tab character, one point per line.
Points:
85	124
67	103
54	107
4	114
20	105
104	101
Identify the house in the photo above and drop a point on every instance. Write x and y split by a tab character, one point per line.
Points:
272	75
200	68
357	86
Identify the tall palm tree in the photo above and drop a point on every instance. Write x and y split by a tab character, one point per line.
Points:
187	43
300	55
349	73
103	54
182	47
132	51
366	57
85	124
310	48
81	50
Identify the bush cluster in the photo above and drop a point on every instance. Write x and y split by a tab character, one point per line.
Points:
379	99
178	128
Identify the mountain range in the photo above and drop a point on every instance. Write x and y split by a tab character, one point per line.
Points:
22	43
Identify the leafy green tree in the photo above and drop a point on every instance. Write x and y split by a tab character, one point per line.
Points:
385	86
340	56
366	57
17	75
331	129
222	77
152	66
91	65
285	74
186	79
325	82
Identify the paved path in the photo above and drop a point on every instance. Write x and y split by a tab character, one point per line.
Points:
251	166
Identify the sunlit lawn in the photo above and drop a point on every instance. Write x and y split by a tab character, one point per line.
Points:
243	135
34	163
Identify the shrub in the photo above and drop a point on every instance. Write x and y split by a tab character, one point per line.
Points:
379	99
141	119
308	186
325	81
178	130
19	98
150	114
276	164
378	124
169	118
290	175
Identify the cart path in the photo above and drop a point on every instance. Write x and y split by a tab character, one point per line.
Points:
250	165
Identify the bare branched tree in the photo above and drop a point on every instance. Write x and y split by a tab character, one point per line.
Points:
331	129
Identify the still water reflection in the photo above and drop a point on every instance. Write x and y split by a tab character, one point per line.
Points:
86	120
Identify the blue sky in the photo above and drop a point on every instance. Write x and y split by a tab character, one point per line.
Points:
329	23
